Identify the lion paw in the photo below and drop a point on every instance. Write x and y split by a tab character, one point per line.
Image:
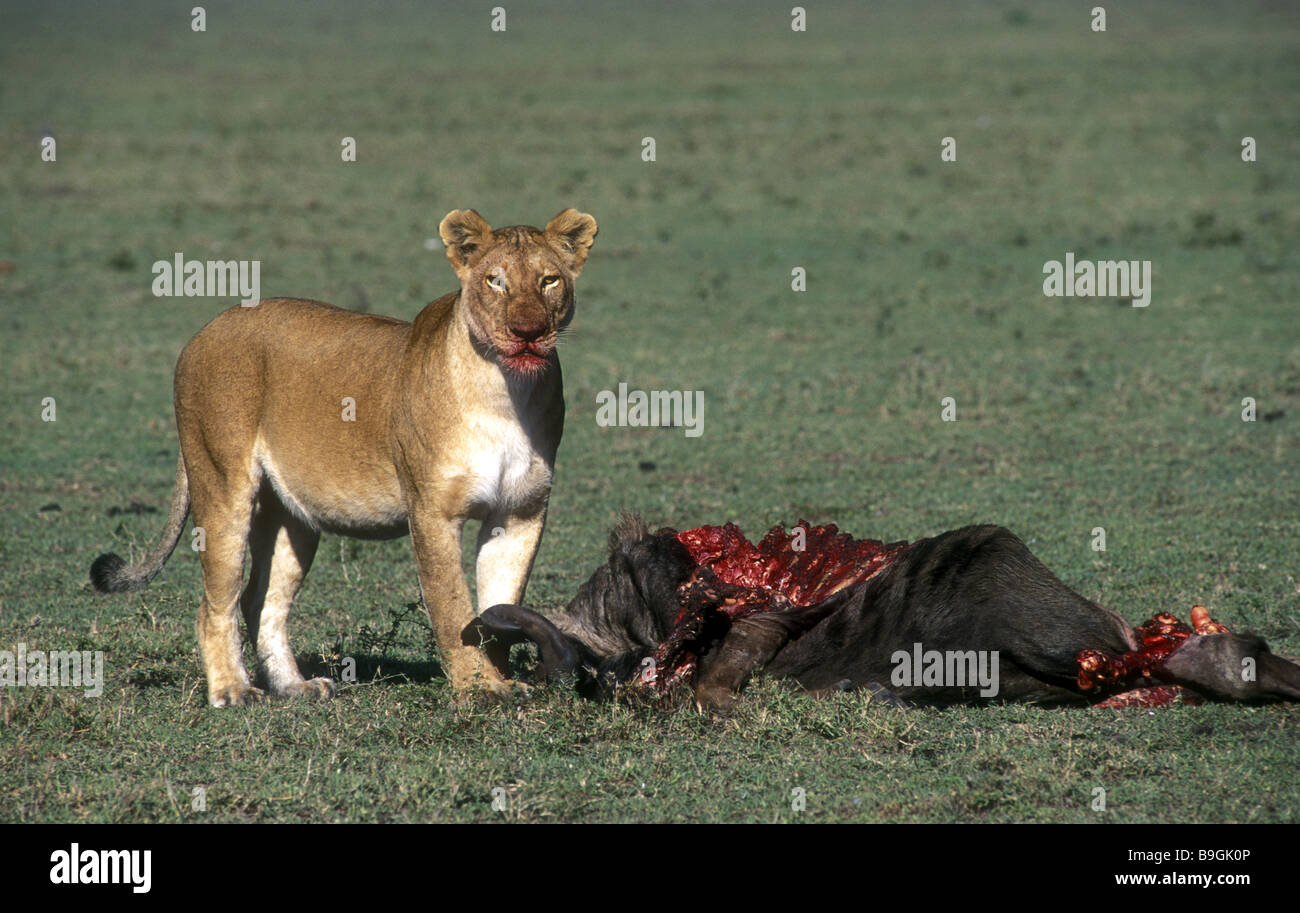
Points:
237	695
501	689
316	688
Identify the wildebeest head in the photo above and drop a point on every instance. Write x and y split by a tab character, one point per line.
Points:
617	619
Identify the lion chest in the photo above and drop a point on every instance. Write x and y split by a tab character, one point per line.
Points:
497	465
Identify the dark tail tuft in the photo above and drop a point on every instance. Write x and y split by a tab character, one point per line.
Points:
110	574
106	575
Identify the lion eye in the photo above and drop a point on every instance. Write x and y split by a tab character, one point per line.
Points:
550	281
497	281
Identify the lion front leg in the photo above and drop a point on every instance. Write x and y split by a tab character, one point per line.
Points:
507	545
436	540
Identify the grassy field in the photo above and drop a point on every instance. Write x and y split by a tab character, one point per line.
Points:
774	150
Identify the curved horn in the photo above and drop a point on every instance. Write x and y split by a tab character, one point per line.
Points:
508	625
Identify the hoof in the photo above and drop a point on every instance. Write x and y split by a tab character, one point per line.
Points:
715	700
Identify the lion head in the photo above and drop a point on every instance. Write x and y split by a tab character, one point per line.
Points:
517	283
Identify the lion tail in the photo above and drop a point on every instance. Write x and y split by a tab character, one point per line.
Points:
110	574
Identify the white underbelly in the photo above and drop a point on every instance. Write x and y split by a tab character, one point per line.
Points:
363	501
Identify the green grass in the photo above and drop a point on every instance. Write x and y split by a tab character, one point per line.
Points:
774	150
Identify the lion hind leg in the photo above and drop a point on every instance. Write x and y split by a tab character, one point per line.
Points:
223	516
283	548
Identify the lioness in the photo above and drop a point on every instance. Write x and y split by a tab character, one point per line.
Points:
296	417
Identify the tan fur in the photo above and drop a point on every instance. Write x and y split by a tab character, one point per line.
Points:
458	416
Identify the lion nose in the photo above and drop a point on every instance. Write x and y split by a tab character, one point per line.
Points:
528	331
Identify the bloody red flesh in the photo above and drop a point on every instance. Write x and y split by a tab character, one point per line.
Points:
735	578
798	568
1150	696
1158	638
1162	635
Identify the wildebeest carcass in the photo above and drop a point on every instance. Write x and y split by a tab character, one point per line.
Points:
966	616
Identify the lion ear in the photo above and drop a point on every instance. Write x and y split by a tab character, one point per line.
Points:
465	235
572	233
